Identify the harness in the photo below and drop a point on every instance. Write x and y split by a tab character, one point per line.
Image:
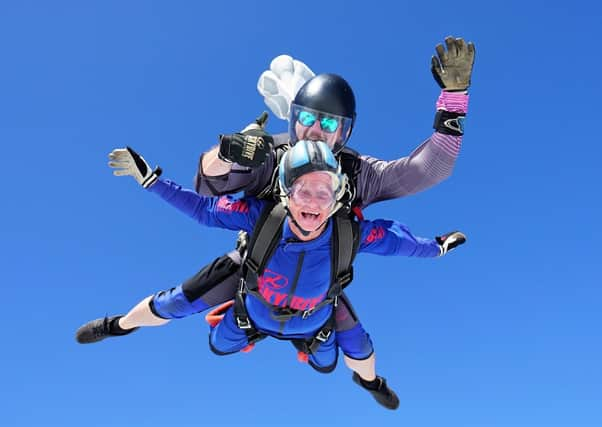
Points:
257	250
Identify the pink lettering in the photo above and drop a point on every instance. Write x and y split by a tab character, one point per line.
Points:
279	299
266	293
314	301
298	303
273	280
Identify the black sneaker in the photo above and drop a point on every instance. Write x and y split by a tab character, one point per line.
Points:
98	330
383	394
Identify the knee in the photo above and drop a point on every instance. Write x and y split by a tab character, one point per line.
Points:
173	304
226	338
211	276
218	348
323	369
324	360
355	343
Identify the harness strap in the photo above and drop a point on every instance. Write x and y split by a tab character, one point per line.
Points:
265	238
311	346
344	248
243	321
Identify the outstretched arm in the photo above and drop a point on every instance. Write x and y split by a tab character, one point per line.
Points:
432	162
222	212
386	237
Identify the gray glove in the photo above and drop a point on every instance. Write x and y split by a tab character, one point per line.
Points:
126	161
452	68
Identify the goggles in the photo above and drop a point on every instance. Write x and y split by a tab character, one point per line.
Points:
307	194
335	129
327	124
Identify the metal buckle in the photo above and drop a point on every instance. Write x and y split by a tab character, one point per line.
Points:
241	242
345	277
323	337
241	285
308	313
243	324
252	265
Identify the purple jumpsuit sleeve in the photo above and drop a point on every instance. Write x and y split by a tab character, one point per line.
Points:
386	237
240	178
221	212
429	164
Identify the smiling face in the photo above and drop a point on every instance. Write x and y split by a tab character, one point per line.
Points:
311	199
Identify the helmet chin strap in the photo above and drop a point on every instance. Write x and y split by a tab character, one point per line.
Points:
301	229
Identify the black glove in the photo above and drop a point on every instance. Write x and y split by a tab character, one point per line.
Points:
250	147
450	241
452	68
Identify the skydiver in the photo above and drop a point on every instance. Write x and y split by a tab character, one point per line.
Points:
311	190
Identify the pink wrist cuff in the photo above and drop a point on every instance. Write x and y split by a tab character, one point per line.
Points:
455	102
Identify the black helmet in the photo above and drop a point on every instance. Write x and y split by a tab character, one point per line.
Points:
325	95
329	93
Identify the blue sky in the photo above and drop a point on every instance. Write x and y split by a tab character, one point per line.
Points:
503	332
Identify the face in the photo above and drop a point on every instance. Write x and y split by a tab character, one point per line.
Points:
315	128
310	201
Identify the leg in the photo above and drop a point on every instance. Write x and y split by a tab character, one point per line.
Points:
359	354
365	368
226	337
214	284
141	315
355	342
99	329
324	360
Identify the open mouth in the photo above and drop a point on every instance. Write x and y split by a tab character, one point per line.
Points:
309	215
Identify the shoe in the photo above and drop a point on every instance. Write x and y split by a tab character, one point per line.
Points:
98	330
383	394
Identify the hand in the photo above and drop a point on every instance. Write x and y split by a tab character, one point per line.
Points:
250	147
126	161
452	68
450	241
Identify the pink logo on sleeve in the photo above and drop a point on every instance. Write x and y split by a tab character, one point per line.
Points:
227	205
376	233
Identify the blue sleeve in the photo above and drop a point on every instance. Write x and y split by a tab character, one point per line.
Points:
221	212
385	237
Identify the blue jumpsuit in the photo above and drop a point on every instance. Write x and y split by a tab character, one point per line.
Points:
297	275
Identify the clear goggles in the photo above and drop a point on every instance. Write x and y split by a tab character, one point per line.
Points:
317	194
